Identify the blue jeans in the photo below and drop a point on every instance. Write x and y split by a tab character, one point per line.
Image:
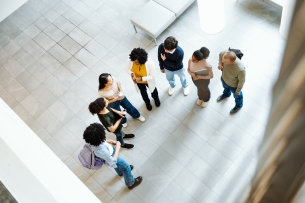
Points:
227	92
170	76
119	136
131	110
123	168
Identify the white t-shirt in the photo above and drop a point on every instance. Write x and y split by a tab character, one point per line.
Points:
112	93
110	147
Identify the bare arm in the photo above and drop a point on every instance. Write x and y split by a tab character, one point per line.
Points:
115	126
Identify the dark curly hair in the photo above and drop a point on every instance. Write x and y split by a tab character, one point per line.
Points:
94	134
103	80
140	54
96	106
170	43
202	53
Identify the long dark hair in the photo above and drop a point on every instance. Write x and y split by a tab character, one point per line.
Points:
103	80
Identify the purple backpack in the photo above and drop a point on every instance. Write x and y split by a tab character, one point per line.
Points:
88	159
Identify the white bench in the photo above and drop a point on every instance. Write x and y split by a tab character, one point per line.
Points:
157	15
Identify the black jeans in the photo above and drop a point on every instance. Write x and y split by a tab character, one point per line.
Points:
144	95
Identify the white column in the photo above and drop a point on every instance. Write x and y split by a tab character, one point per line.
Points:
212	16
287	12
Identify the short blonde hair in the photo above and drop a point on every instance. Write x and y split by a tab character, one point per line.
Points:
230	55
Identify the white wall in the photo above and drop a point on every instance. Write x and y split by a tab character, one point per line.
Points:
30	170
9	6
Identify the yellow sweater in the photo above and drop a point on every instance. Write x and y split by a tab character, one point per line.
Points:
139	71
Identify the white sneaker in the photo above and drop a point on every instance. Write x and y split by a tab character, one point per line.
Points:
124	125
186	91
141	118
204	104
199	102
171	91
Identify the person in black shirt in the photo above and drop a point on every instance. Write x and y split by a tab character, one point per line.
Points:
170	57
111	119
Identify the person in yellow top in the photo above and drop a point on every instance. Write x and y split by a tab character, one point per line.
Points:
142	72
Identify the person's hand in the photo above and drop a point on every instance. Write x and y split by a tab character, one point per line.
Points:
123	113
162	70
113	142
192	74
220	67
195	77
117	98
138	79
163	57
118	145
237	93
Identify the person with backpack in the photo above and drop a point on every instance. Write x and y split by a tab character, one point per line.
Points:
108	151
232	78
111	119
197	64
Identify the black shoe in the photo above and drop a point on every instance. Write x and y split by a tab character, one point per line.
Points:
234	110
131	167
148	106
126	136
157	103
221	97
137	182
127	146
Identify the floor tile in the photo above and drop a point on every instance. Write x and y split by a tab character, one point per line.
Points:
49	62
72	101
214	158
58	149
106	40
87	78
73	17
3	56
51	15
77	127
33	106
96	49
45	96
65	76
12	47
5	77
83	9
44	41
39	71
76	67
67	140
55	86
40	131
176	194
42	23
32	31
23	58
64	25
34	49
55	33
97	190
225	146
89	28
86	58
61	7
83	91
99	20
23	114
79	36
59	53
70	45
28	81
17	90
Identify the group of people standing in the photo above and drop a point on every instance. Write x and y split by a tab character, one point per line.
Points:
142	72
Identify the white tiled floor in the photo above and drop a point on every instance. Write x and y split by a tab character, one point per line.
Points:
52	52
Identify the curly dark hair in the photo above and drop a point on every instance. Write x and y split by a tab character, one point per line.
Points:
103	80
202	53
96	106
170	43
140	54
94	134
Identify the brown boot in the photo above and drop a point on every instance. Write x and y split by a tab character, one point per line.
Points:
137	182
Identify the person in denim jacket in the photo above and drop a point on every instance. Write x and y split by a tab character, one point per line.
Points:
108	150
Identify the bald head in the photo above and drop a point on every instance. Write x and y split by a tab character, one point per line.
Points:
229	57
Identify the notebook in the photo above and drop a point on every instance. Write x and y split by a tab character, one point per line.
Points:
203	72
